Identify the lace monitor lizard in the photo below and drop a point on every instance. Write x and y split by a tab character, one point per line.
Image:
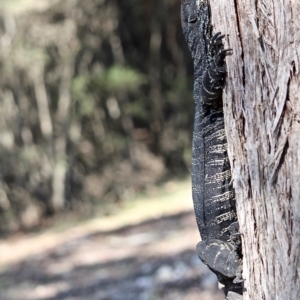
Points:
213	193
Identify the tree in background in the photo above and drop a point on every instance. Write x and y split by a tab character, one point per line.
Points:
93	109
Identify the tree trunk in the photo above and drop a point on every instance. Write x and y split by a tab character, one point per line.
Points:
262	119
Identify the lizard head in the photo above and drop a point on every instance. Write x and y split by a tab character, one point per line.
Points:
188	12
195	17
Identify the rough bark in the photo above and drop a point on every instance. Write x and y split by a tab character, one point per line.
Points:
262	119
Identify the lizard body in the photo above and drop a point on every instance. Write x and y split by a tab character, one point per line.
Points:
213	193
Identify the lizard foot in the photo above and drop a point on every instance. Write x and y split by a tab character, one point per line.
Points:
221	258
214	76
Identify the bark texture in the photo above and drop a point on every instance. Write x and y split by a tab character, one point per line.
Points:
262	119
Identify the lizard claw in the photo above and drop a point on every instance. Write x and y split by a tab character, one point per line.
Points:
216	43
237	234
221	69
225	51
217	39
222	53
238	280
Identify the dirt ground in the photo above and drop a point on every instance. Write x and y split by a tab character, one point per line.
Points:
143	252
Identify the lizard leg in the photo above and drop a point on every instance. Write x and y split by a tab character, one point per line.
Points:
221	257
214	77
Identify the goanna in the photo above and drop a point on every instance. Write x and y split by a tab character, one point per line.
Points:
213	193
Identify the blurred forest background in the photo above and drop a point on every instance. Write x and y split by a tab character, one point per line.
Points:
96	116
95	105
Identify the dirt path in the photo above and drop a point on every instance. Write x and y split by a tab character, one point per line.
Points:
145	252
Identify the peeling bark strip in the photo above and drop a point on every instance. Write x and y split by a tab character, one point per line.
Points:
213	194
262	122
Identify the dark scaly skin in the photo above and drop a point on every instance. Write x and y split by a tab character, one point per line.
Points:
213	193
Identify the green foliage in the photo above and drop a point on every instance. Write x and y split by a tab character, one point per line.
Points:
112	81
118	141
82	95
137	109
78	88
117	79
121	78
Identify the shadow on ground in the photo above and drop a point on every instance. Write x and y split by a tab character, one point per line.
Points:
148	261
